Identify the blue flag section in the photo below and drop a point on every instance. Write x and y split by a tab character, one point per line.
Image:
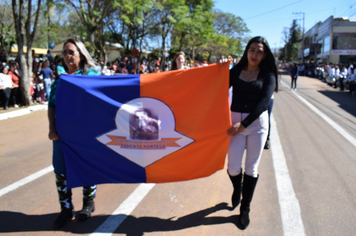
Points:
143	128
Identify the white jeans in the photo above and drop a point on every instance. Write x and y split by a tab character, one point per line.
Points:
252	139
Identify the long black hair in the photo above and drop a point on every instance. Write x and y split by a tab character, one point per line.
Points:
268	63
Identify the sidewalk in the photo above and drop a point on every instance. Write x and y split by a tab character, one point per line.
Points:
14	112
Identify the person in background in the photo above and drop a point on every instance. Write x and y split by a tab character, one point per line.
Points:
106	69
231	62
143	68
130	67
151	67
343	75
253	79
40	91
124	70
16	83
49	57
5	87
294	76
115	68
60	68
178	61
47	76
79	62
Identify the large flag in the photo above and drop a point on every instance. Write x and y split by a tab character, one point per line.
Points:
148	128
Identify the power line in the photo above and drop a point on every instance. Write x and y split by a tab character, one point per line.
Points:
347	10
274	10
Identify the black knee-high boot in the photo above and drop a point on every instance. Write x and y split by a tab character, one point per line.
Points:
236	183
65	200
249	184
89	193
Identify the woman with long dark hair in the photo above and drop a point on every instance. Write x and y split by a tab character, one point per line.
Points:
253	80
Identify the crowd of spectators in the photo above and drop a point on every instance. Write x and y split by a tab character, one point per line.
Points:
342	75
45	68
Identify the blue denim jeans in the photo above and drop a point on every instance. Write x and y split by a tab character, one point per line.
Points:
47	85
58	158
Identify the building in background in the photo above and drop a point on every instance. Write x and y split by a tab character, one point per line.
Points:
333	40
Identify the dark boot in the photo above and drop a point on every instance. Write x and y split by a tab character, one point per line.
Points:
236	183
89	193
65	200
64	217
88	208
248	189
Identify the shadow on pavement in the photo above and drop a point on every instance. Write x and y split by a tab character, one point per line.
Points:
345	100
132	226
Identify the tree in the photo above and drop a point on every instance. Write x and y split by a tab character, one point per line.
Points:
235	30
25	30
170	13
195	29
7	33
95	15
294	42
292	39
230	25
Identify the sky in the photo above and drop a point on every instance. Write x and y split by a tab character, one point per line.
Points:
268	18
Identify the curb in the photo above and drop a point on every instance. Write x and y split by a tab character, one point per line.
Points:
22	112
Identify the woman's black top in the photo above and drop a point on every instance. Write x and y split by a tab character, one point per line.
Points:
251	97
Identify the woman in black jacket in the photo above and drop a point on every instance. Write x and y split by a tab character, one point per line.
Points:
253	79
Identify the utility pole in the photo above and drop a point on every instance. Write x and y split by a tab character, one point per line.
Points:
302	44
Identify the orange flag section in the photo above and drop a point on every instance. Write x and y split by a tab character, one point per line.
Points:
199	99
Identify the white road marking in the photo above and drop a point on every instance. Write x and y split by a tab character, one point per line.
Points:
25	180
337	127
289	204
125	209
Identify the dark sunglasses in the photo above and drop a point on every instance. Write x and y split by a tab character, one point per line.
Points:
70	52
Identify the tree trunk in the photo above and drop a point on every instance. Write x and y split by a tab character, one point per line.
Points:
162	51
25	61
25	78
193	56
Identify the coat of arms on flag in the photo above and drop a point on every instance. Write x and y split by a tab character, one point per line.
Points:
145	132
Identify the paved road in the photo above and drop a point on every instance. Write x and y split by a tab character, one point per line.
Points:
312	194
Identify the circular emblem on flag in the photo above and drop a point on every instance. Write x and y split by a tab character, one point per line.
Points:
145	132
